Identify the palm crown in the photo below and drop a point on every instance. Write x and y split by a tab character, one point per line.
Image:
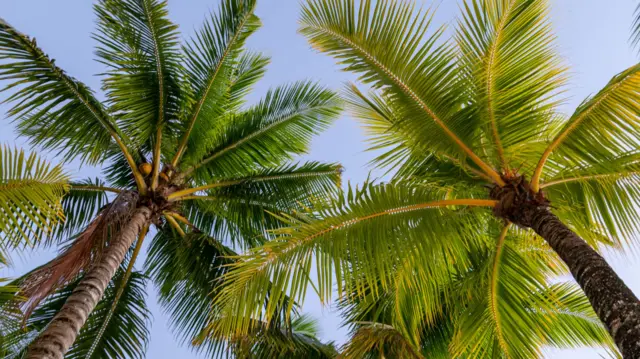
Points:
178	141
465	124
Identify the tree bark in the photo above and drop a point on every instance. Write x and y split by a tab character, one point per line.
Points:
56	339
615	304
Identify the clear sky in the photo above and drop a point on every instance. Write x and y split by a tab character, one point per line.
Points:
592	36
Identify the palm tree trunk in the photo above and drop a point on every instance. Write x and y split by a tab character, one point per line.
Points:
54	341
612	300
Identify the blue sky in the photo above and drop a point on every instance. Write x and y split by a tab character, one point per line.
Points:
592	37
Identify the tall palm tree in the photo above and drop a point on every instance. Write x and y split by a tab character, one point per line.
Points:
472	130
181	151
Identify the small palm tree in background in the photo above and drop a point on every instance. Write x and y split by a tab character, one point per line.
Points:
180	151
482	160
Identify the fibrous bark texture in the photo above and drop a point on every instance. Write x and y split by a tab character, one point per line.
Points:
59	335
615	304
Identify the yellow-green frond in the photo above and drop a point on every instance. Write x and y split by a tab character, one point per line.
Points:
602	128
420	73
508	60
339	242
31	191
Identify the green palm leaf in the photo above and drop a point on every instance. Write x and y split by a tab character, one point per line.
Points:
31	191
238	208
186	272
51	108
298	342
511	68
419	74
341	245
518	315
140	46
250	68
372	322
599	201
382	118
267	134
601	129
210	65
376	337
572	321
635	28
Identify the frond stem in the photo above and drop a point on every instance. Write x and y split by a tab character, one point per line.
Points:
581	178
172	221
493	288
180	218
467	168
204	198
95	188
185	192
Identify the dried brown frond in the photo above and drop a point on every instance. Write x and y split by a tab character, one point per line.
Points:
83	251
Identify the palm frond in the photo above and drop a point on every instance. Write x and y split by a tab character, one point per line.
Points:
599	201
250	68
186	272
515	318
419	74
341	241
211	62
405	151
573	321
31	191
370	315
267	134
601	129
382	338
139	44
242	209
512	71
635	28
51	108
297	342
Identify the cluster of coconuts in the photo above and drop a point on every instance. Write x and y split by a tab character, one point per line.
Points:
146	168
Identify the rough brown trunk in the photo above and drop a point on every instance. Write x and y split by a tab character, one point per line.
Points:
59	335
612	300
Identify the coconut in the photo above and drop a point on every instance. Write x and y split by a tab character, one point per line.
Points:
145	169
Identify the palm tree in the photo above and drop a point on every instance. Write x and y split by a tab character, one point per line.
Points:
181	150
473	132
